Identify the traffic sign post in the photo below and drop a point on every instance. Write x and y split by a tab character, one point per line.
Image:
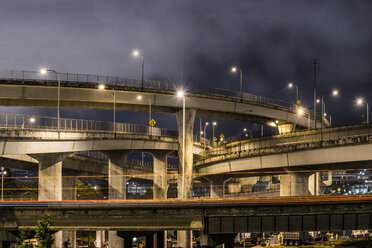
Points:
152	122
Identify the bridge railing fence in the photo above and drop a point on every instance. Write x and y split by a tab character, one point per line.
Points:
277	143
19	121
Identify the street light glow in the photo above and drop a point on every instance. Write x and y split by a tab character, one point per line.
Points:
272	124
245	130
139	97
335	92
300	111
359	101
290	85
214	123
43	71
32	119
136	53
234	69
207	123
101	86
317	100
180	93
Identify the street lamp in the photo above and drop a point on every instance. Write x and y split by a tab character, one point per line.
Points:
139	98
291	85
334	93
205	134
103	87
137	53
360	101
330	118
235	69
45	71
213	125
181	94
301	112
3	172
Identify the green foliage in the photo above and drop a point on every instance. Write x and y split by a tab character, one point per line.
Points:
43	233
22	239
87	191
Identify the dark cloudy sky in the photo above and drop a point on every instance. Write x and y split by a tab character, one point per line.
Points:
196	42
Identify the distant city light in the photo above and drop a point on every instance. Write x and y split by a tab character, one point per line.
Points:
139	97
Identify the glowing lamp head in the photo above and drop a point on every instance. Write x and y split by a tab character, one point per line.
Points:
139	97
290	85
245	130
359	101
43	71
214	123
300	111
317	100
101	86
207	123
234	69
5	172
201	132
32	119
136	53
335	92
180	93
325	114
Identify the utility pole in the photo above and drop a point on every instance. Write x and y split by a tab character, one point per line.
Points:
315	63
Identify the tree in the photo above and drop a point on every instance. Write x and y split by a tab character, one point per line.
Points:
43	233
23	240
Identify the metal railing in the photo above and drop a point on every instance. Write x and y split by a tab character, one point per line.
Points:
18	121
289	142
33	77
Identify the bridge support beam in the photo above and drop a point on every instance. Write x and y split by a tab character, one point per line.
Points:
189	126
116	174
286	128
294	184
184	238
160	174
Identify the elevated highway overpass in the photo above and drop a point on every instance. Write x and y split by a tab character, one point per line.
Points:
32	89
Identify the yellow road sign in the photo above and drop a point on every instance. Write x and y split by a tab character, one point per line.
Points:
298	102
214	139
222	136
152	122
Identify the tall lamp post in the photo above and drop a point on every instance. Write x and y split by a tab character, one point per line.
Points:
334	93
213	125
45	71
291	85
235	69
137	53
360	101
205	134
103	87
3	172
181	94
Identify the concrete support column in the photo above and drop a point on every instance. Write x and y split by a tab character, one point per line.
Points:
184	238
115	240
100	239
160	174
117	187
116	172
294	184
314	184
50	176
68	185
189	125
286	128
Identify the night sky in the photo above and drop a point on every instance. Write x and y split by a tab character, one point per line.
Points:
195	43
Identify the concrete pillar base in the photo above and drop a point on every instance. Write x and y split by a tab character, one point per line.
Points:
184	239
294	184
117	179
160	174
115	240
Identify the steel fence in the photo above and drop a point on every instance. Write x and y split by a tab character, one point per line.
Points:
19	121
